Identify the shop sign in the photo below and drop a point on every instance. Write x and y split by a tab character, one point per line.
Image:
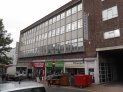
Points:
75	64
38	64
55	63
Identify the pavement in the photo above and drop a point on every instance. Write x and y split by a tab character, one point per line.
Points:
112	87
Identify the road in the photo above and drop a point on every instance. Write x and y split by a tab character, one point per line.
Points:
63	89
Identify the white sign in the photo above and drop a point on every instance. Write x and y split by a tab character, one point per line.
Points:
74	64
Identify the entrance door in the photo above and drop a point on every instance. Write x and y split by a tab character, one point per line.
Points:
106	72
29	74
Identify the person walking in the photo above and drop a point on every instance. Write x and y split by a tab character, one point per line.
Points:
49	80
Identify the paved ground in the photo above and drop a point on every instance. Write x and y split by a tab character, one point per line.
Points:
63	89
114	87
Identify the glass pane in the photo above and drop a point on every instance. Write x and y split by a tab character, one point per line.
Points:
117	33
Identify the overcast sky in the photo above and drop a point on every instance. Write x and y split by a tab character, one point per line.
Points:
18	14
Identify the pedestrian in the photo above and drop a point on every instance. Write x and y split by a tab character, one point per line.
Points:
49	80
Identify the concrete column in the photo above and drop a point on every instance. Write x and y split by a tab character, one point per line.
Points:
86	67
96	75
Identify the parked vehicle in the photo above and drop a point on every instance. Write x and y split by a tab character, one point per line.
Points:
13	74
22	87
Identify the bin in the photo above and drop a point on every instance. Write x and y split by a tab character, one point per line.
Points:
81	80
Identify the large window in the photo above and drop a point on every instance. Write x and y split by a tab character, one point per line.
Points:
54	19
74	9
49	34
58	18
80	23
62	47
68	13
63	15
53	32
57	31
80	43
68	46
62	30
68	27
80	7
110	13
74	25
50	21
74	44
112	34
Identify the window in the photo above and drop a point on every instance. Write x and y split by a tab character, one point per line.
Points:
80	7
68	27
68	13
80	23
45	36
61	47
49	34
110	13
50	21
46	23
42	36
58	17
102	0
53	32
68	46
74	25
74	44
112	34
62	30
58	31
62	15
74	9
80	42
54	19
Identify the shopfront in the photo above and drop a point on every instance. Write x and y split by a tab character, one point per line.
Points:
54	67
39	69
75	67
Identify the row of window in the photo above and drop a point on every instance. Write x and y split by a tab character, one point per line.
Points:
62	47
69	27
69	12
22	48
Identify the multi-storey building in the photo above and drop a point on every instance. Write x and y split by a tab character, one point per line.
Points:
81	37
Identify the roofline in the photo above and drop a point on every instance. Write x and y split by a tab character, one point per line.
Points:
52	14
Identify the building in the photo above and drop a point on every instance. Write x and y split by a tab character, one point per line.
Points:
78	38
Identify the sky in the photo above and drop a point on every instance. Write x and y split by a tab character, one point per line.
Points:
18	14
